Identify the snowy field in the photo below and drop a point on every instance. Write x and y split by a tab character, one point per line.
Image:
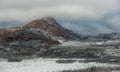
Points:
46	65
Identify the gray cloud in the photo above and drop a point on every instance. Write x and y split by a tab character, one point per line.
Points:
70	10
61	9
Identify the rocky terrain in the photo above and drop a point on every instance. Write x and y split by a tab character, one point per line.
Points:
46	38
33	37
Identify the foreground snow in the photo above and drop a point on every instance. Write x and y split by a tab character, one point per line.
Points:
45	65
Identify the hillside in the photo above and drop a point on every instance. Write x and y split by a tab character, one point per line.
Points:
40	31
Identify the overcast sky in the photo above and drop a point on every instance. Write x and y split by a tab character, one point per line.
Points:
82	16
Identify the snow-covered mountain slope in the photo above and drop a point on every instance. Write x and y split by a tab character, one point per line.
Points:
50	27
47	30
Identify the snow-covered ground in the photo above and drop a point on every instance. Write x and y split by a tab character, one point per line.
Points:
78	43
75	43
46	65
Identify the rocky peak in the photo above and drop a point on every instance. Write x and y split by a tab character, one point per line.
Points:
50	26
41	22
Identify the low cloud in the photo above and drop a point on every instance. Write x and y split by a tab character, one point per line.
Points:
61	9
87	27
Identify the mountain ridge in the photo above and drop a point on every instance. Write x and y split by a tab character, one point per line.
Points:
47	30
